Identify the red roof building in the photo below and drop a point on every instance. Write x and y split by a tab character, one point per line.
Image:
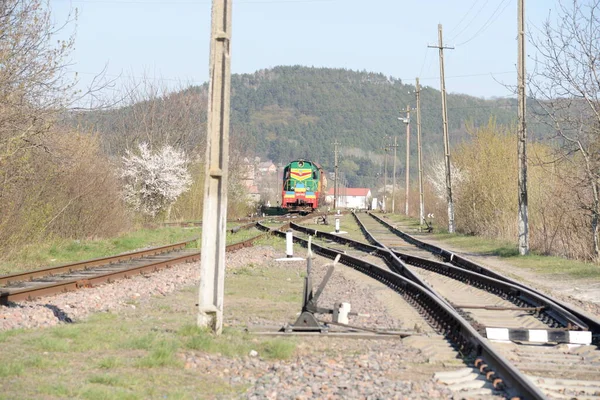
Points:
350	197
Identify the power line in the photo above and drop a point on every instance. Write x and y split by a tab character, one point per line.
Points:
471	21
495	15
464	16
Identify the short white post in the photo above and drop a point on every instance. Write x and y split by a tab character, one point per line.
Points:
337	225
289	244
340	313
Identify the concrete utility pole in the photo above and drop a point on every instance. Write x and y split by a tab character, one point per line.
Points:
395	146
441	48
420	164
385	176
335	182
212	270
522	136
407	191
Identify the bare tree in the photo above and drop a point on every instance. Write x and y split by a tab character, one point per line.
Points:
33	83
566	85
153	112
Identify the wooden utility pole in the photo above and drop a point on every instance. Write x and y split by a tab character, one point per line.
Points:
420	162
407	191
522	136
212	270
441	48
335	182
395	146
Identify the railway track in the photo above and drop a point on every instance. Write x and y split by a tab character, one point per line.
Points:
436	313
48	281
492	307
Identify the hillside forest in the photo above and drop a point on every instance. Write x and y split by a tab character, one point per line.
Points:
70	172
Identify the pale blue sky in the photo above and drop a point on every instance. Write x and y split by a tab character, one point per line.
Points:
169	39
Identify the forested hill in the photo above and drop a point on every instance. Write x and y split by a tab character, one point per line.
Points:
293	112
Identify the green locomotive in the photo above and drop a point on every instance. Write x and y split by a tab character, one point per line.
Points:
304	185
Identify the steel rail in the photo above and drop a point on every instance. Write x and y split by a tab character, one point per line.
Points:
74	284
42	290
443	317
249	221
378	250
496	286
590	321
81	265
529	296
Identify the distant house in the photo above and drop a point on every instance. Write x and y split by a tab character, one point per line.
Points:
267	167
253	194
359	198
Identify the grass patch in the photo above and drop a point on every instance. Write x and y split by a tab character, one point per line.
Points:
234	343
4	335
478	244
11	369
108	363
278	349
144	342
271	241
50	344
162	355
102	393
400	219
57	252
535	262
558	266
347	224
55	390
105	379
64	251
250	269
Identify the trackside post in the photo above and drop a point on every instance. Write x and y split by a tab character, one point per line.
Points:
212	269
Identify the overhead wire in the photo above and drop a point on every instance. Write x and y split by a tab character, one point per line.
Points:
470	22
463	18
495	15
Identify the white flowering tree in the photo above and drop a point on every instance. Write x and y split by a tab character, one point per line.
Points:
154	180
436	176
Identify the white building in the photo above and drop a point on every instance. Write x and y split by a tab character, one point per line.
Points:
359	198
